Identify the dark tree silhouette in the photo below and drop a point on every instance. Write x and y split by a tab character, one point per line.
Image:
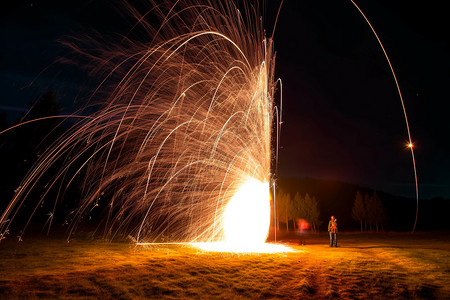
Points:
305	208
379	211
359	212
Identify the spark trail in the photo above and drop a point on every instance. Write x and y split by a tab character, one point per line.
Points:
185	119
410	145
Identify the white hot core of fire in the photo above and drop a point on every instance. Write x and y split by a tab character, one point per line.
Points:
247	215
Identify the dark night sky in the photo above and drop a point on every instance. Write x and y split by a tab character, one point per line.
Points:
343	119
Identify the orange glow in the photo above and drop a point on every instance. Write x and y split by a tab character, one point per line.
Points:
302	224
246	222
227	247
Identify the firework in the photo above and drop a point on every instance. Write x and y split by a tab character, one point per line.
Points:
410	144
184	122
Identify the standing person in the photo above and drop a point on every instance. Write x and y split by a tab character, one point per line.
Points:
332	230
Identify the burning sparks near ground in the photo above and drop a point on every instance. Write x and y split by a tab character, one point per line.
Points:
246	221
179	145
248	248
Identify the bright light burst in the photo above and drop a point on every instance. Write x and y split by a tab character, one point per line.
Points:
247	215
257	248
184	119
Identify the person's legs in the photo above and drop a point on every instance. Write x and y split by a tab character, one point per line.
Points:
331	239
335	239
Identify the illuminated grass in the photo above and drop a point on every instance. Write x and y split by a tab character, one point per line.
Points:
258	248
396	266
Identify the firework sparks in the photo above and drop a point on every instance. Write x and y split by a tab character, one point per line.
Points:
246	221
186	121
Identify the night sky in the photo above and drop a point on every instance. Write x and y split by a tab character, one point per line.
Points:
342	116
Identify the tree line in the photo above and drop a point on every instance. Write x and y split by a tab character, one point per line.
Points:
290	208
369	209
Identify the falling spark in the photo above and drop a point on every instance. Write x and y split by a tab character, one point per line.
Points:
404	110
184	121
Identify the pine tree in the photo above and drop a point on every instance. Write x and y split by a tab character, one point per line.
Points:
279	199
305	208
297	206
379	211
370	210
283	208
315	213
359	212
288	209
294	210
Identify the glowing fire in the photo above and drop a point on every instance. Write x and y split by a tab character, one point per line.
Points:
179	145
247	215
246	221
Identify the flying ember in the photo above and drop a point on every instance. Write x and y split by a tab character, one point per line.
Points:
179	145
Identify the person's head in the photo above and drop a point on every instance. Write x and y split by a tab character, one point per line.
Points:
332	217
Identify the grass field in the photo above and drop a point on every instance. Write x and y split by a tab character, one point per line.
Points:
363	266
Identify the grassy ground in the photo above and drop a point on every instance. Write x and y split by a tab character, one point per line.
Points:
364	266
